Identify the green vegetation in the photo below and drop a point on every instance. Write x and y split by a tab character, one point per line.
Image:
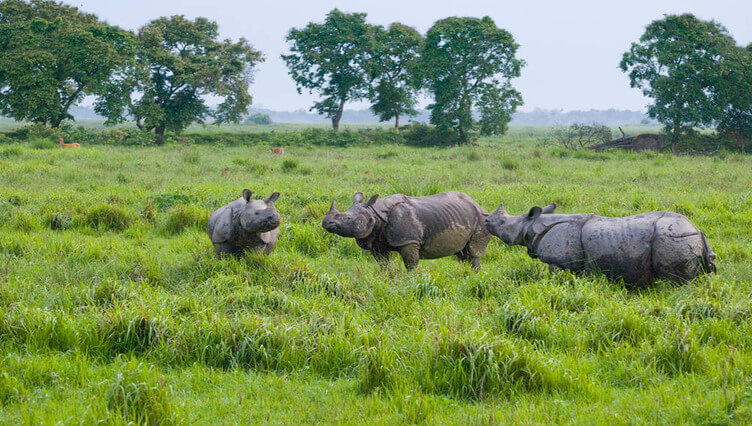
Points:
113	307
468	64
52	56
695	74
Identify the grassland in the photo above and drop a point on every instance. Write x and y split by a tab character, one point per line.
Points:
113	308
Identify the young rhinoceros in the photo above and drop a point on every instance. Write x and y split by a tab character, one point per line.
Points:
427	227
637	249
245	224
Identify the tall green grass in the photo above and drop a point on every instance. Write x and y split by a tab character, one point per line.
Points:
114	309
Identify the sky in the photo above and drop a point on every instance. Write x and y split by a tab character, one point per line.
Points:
572	48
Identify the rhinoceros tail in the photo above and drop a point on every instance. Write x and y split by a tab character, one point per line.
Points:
708	256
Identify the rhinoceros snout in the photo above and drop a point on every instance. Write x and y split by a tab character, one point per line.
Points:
329	225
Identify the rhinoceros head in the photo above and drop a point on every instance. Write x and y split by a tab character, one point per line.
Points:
511	229
356	222
259	215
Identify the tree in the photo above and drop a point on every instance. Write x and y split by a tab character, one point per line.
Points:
52	56
733	90
674	63
179	62
331	59
468	63
392	69
259	118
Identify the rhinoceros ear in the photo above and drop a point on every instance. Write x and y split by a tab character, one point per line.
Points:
272	198
549	208
358	197
534	213
372	200
247	194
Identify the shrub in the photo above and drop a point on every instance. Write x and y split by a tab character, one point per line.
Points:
110	218
40	143
259	118
182	216
418	134
579	136
473	156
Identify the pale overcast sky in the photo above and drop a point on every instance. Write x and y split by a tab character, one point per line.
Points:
572	48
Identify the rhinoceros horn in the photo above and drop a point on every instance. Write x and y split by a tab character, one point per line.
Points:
500	210
331	208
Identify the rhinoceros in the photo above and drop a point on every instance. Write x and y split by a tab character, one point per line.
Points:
637	249
427	227
245	224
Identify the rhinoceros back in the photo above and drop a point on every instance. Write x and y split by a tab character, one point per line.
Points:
448	220
620	246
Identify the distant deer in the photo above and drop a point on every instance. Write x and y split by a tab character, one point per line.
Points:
278	150
68	145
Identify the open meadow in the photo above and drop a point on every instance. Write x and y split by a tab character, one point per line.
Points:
113	307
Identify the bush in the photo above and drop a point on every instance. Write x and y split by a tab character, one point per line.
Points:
579	136
182	216
418	134
39	143
109	218
34	131
259	118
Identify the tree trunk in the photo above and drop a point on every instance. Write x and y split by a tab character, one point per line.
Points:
396	122
463	137
338	115
159	132
675	138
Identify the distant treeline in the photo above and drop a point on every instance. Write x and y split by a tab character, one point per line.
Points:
537	117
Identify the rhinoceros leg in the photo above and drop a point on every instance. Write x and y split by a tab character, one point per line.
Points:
381	256
476	247
269	247
410	254
225	250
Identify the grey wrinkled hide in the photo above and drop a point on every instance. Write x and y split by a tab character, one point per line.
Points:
427	227
244	224
638	249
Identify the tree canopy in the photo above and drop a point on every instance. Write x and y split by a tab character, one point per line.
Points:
52	56
675	63
179	62
468	63
733	91
331	59
393	69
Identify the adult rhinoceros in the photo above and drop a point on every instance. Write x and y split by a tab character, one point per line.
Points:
637	249
429	227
